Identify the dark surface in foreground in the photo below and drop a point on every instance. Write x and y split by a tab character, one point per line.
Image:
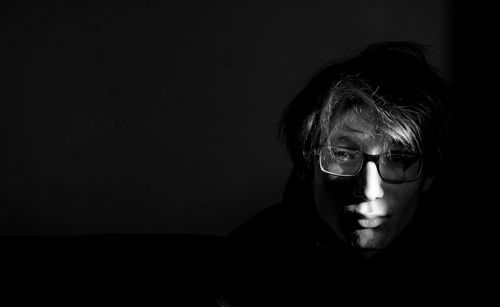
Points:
170	270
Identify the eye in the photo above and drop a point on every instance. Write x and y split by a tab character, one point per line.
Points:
342	154
395	158
401	158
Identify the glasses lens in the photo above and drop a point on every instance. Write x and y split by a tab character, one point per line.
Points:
340	161
400	166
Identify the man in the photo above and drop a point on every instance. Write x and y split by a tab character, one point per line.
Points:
358	218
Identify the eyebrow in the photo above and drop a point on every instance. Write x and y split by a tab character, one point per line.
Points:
353	137
348	133
345	138
350	129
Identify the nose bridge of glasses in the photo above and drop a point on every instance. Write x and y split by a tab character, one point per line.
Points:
369	158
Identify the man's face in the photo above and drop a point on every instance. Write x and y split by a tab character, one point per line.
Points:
364	211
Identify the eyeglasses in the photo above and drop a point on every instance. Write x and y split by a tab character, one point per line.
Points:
392	166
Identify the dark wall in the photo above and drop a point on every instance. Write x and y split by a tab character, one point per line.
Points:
161	116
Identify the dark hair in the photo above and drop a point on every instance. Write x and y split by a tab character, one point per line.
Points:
390	84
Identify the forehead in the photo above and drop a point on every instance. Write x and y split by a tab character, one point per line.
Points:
354	130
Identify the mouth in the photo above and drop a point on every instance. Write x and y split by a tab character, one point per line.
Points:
371	222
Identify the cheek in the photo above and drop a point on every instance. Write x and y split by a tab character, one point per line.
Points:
337	191
402	200
331	197
404	195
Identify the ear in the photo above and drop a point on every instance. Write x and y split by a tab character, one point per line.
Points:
427	183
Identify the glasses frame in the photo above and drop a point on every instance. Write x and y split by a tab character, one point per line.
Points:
369	158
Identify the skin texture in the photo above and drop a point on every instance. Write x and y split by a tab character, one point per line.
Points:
364	211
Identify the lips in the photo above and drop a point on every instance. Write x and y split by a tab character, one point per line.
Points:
371	222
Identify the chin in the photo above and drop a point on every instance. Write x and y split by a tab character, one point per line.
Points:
368	239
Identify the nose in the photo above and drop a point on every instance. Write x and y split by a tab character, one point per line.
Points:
370	183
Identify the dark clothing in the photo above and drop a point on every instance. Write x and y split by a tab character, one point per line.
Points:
286	255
